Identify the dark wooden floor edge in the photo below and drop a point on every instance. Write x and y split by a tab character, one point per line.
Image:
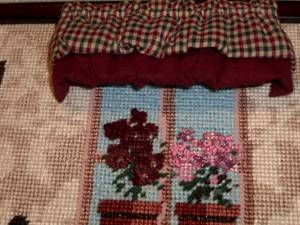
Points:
288	11
2	70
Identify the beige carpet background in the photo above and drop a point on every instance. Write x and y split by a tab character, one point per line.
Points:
41	142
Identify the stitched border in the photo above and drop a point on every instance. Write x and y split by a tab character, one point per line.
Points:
168	109
90	159
246	164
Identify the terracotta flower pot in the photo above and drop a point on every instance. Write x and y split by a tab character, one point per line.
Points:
206	214
125	212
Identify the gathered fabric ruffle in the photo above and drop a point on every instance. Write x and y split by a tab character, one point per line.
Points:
161	28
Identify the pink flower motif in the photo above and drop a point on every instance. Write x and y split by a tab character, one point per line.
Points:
214	149
180	154
186	135
225	162
229	141
221	150
196	143
185	161
216	143
235	169
213	180
186	172
198	161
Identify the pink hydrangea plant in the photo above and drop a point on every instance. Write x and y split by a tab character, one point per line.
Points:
189	155
185	161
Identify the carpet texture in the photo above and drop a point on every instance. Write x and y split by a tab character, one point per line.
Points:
42	142
55	167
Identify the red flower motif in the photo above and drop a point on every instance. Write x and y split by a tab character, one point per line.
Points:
117	157
137	116
135	147
158	161
153	161
143	176
139	140
147	168
151	130
116	129
140	147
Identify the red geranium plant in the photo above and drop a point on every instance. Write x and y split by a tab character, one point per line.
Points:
133	154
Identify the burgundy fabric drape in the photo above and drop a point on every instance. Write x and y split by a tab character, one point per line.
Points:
205	66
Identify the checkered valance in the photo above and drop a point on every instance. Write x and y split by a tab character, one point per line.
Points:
161	28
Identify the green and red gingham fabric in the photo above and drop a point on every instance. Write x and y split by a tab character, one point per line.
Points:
160	28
